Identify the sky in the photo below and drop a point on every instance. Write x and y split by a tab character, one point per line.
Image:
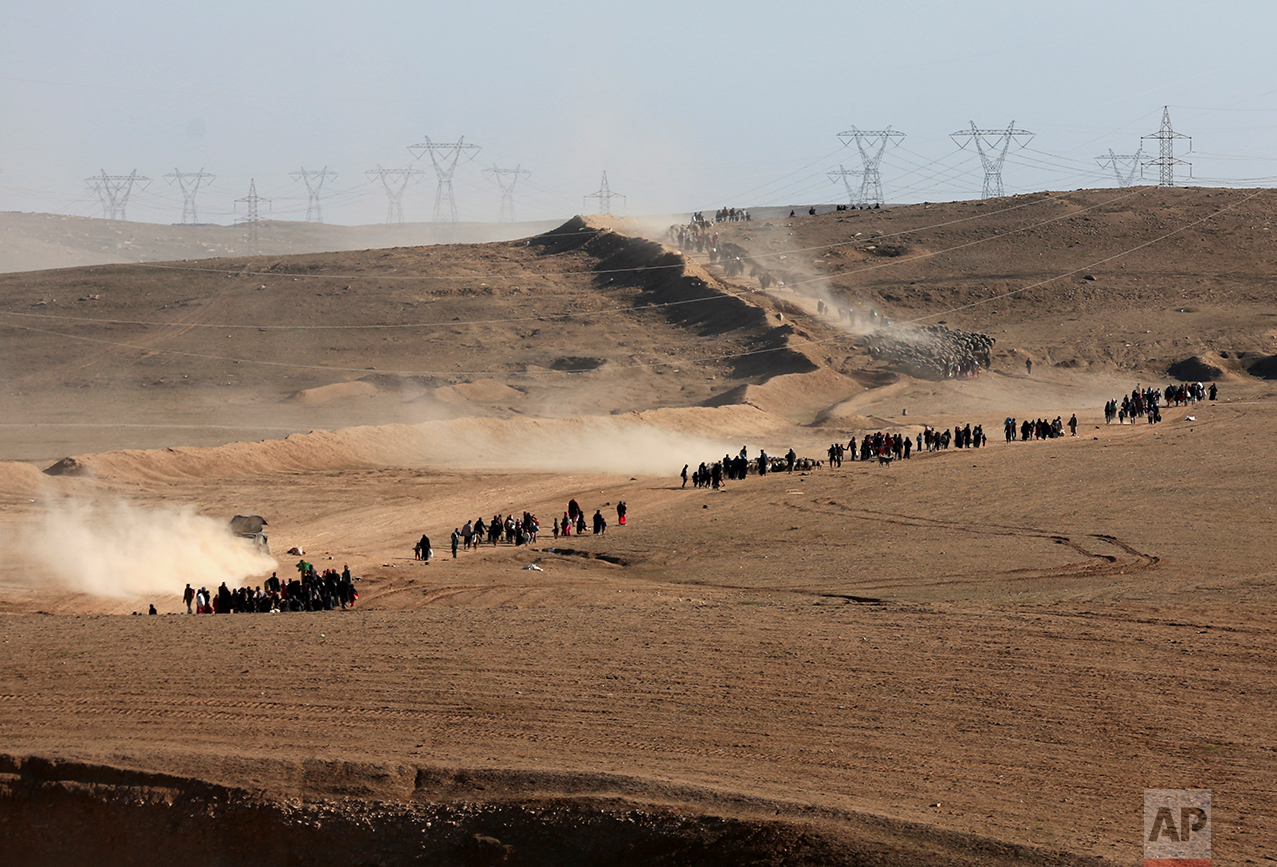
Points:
685	105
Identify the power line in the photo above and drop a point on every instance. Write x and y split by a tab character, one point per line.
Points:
507	188
605	197
871	144
394	181
113	191
992	145
1166	162
252	219
844	174
1117	162
444	158
314	186
190	183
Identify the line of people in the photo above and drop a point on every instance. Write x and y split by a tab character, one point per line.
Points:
517	530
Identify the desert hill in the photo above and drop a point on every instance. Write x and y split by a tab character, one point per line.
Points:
581	320
1146	283
1131	280
34	242
974	656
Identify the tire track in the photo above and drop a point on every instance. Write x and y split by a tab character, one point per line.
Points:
1097	563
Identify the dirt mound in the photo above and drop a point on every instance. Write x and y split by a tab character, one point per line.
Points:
1195	369
798	396
1264	368
67	467
19	479
479	391
336	391
688	296
860	422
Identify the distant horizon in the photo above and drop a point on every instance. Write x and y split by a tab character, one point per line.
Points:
821	206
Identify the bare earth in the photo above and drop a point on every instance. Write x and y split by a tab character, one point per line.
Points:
976	656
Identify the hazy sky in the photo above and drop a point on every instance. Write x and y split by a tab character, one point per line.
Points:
687	105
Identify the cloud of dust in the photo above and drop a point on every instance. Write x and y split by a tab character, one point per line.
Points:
122	550
795	276
588	445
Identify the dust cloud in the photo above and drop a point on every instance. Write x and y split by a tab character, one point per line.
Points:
597	444
121	550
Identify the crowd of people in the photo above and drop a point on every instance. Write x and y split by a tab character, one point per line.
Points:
712	474
1146	403
724	215
512	530
573	522
309	591
1041	429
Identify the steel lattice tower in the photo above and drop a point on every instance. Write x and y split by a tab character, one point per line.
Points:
1125	177
507	188
394	181
1166	161
252	218
843	174
444	157
993	145
190	184
605	197
314	185
113	191
871	143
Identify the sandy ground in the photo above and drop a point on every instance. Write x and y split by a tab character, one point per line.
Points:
1003	644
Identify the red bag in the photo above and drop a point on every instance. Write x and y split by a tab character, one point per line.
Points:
622	520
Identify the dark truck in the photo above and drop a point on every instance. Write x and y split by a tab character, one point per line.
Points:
250	527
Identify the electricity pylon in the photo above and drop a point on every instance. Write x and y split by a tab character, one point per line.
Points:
507	189
314	185
444	157
871	143
1125	177
605	197
252	218
394	181
1166	161
844	174
993	145
190	184
113	191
